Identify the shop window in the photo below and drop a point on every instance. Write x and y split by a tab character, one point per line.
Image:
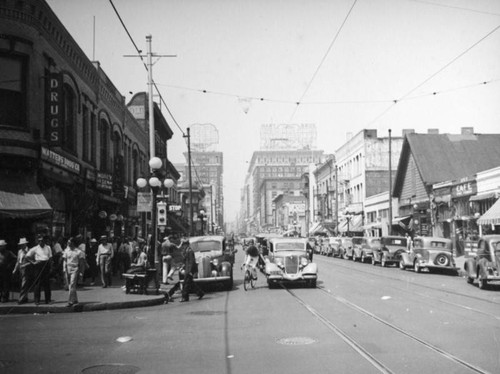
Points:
12	91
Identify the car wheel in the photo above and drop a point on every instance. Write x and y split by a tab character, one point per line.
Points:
402	265
481	282
416	267
442	260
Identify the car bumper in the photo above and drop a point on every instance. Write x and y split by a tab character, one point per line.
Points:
213	279
291	277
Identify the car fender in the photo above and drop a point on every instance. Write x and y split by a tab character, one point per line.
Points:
405	257
226	269
271	266
310	268
470	268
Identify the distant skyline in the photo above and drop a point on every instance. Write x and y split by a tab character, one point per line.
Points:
343	65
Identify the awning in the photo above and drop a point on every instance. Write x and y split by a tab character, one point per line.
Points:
405	222
20	197
492	215
483	196
352	225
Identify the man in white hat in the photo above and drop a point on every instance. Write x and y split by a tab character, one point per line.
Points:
23	266
7	261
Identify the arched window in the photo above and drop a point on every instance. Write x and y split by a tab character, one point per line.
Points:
104	146
135	165
69	107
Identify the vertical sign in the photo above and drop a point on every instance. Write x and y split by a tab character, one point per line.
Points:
53	110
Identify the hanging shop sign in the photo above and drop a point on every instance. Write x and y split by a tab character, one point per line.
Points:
464	187
144	201
104	181
54	109
59	160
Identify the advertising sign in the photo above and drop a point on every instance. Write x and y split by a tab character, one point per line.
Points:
144	201
59	160
54	109
104	181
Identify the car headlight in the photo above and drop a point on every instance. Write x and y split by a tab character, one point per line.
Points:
215	262
304	262
279	262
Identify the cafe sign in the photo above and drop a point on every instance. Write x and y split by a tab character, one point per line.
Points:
464	187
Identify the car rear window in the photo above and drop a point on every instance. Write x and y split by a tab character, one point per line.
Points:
289	246
395	241
206	246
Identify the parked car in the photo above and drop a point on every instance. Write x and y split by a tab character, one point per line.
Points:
391	248
215	260
288	262
368	246
345	248
357	242
485	267
429	253
335	246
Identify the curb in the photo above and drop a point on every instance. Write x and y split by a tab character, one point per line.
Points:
83	307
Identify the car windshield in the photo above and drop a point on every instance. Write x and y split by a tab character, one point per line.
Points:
289	246
206	246
438	244
496	248
375	242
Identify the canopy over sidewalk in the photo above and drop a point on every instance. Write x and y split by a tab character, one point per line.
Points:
492	215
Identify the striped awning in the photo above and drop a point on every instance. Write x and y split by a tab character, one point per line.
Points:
492	215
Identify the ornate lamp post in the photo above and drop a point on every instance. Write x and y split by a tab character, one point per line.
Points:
158	206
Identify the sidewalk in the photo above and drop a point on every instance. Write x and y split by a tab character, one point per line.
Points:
91	298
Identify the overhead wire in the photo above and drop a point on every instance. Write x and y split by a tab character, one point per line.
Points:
323	59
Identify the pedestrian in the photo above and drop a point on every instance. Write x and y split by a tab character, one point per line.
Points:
7	263
41	256
167	251
190	268
82	246
24	269
73	266
124	256
57	271
105	255
92	261
141	263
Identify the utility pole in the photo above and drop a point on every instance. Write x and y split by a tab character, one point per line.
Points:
336	198
390	183
188	136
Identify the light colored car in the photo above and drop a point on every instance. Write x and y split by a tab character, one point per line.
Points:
357	247
334	244
288	262
368	246
391	248
485	267
345	248
429	253
215	260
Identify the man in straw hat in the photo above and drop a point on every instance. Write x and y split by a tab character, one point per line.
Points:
23	267
41	256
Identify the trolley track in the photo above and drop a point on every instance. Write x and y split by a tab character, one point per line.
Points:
364	352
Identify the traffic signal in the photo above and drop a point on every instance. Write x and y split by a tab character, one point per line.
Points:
161	213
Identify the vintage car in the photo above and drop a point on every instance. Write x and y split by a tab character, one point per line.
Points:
215	260
357	242
345	248
485	267
368	246
429	253
334	244
288	262
389	253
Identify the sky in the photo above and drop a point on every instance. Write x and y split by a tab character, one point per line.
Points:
344	65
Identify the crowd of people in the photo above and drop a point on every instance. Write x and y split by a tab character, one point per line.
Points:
70	262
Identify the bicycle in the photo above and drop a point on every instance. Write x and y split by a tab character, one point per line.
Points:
250	278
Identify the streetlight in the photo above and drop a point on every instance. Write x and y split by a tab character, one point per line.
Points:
202	216
158	206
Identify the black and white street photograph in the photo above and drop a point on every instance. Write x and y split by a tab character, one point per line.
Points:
249	186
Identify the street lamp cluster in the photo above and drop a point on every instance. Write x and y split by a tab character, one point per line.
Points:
158	204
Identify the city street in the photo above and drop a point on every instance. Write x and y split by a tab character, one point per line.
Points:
360	319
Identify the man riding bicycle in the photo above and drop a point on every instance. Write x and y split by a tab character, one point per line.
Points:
252	258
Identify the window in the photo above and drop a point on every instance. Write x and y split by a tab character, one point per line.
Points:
69	118
92	138
12	92
104	146
86	133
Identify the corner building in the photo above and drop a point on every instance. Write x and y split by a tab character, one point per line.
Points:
70	150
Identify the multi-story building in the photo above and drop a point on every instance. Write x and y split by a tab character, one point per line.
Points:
272	164
70	150
363	171
325	204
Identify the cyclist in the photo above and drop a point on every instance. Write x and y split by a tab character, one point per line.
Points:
252	257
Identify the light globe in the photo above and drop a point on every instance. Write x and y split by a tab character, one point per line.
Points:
168	183
155	163
141	182
154	182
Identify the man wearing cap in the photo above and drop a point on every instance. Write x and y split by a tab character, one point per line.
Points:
23	267
41	256
104	256
7	262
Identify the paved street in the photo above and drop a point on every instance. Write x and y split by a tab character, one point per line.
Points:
360	319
